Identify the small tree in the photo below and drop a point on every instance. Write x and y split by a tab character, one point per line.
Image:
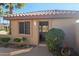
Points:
10	7
54	38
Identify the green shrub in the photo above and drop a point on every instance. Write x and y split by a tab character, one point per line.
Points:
5	44
24	39
5	39
17	40
54	38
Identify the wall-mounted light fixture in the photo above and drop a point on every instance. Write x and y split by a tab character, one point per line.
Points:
35	23
77	21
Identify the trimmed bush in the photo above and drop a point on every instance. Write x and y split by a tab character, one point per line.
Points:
5	39
5	44
17	40
24	39
54	38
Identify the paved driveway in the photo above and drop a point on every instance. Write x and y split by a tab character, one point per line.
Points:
37	51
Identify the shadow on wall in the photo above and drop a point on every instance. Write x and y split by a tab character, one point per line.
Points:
69	34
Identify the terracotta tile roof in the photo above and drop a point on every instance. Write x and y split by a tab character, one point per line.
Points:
45	13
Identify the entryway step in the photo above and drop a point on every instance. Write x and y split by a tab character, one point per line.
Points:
42	44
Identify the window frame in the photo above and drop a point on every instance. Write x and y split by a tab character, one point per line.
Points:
24	30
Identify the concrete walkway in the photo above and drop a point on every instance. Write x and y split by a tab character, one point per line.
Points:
37	51
6	51
3	32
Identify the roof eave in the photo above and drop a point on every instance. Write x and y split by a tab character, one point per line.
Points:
43	17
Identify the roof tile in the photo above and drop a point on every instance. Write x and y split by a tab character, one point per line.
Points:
46	12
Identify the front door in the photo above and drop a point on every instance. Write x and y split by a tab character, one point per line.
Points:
43	28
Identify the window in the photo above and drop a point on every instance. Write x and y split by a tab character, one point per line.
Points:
27	27
43	26
24	27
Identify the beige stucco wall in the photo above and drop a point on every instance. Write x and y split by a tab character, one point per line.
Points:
68	26
34	30
35	39
77	36
15	29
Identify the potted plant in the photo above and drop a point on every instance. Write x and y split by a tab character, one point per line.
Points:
65	51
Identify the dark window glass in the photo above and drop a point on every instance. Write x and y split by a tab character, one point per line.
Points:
27	27
24	27
21	27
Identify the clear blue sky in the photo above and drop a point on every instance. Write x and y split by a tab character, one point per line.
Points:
44	6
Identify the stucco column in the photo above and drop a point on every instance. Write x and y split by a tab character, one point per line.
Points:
35	34
50	23
14	28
